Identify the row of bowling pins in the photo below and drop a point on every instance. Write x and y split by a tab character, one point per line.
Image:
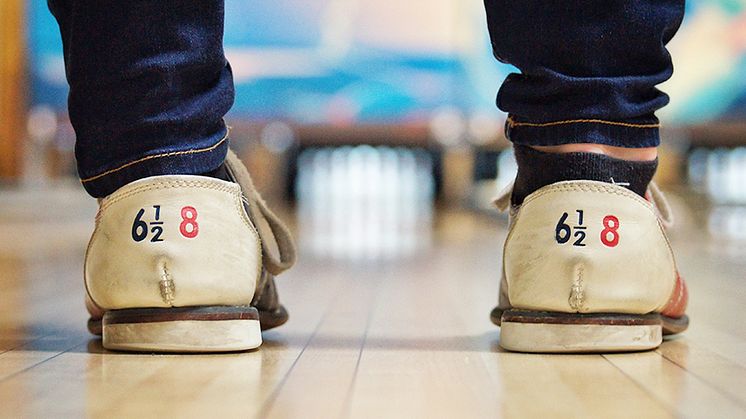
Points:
363	202
720	173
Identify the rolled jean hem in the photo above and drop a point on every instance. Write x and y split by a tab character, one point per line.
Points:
184	162
594	131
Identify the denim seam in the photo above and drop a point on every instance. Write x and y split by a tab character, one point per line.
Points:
512	123
156	156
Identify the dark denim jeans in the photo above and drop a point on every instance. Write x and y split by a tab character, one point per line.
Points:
149	86
149	83
588	68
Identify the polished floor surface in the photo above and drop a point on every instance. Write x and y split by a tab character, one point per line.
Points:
372	334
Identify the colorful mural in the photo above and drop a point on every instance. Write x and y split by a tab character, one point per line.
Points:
344	61
709	54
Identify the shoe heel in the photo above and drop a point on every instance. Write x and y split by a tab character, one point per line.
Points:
534	331
182	329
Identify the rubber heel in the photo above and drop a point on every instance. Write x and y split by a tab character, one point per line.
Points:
548	332
182	329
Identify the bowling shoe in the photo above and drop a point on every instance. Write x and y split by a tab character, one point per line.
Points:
184	263
587	267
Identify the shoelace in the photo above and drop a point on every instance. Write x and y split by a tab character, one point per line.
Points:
654	195
259	212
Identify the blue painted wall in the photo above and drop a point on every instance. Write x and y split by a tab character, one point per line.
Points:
287	66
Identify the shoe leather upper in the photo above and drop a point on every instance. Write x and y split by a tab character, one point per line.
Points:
173	241
587	246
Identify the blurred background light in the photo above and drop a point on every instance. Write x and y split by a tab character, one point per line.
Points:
365	203
366	129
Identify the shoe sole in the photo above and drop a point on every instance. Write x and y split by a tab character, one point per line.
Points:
270	319
548	332
182	329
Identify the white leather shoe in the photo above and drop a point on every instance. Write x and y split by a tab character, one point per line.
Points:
185	264
587	267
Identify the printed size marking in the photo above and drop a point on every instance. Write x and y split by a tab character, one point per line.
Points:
189	227
610	235
140	228
563	232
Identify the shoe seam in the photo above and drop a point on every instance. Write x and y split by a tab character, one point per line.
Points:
588	186
165	184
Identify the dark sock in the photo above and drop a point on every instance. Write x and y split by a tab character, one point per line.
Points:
537	169
220	173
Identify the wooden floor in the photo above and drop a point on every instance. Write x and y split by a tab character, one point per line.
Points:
406	337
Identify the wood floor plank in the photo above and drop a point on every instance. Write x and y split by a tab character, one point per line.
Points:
478	380
432	353
570	387
717	371
143	385
675	386
422	353
28	356
727	345
20	397
405	337
318	385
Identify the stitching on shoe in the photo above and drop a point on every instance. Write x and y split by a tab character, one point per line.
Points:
233	189
513	123
587	186
156	156
166	185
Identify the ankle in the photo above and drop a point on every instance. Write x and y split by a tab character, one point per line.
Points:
621	153
539	168
220	173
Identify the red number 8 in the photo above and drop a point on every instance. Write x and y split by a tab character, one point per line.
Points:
611	225
189	217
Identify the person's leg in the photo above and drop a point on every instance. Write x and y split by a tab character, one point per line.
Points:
184	252
149	86
582	121
588	80
589	69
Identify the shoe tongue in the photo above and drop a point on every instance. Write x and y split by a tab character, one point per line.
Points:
278	249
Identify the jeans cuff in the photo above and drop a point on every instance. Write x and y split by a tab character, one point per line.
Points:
573	131
190	161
